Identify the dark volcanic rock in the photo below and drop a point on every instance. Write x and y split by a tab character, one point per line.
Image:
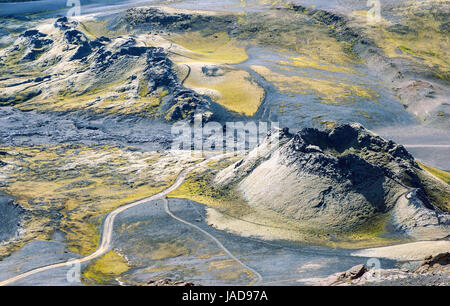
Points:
401	29
134	51
83	51
345	277
169	282
153	15
100	41
63	23
365	159
74	37
33	33
20	97
10	217
433	271
34	43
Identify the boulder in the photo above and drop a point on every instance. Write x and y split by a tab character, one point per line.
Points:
345	278
355	272
169	282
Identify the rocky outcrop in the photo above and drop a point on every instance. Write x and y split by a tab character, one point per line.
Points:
336	180
67	63
433	271
137	16
437	262
160	19
32	43
346	277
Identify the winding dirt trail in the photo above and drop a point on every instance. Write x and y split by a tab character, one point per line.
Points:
167	209
108	224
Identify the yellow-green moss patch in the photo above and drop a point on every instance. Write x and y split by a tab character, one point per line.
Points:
106	268
235	89
82	183
215	48
169	250
328	90
440	174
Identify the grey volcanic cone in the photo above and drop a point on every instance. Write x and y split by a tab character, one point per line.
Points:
339	179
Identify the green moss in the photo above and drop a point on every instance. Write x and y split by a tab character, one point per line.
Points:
199	186
440	174
164	93
328	124
370	229
19	97
235	90
97	28
438	195
373	232
408	50
13	58
106	268
68	99
364	114
143	91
